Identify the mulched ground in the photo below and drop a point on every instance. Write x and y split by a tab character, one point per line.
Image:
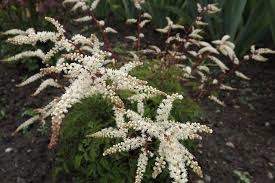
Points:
29	160
243	139
244	135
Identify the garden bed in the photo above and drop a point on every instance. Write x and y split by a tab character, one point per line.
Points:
243	139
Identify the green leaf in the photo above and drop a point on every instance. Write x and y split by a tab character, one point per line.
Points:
255	27
77	161
233	16
272	20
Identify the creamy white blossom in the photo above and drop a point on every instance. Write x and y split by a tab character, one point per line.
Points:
45	84
87	75
83	19
132	38
27	54
111	30
138	3
94	5
225	46
160	164
14	32
131	21
219	63
195	34
241	75
170	25
169	133
146	15
209	9
141	166
257	54
216	100
212	8
143	23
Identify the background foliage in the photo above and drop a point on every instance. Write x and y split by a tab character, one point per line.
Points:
23	14
246	21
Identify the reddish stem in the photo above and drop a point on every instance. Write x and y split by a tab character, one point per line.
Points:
138	32
107	45
220	80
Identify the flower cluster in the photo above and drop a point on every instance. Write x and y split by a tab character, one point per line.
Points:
167	132
84	65
141	22
208	64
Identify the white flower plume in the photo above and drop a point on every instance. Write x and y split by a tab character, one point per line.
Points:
169	133
86	72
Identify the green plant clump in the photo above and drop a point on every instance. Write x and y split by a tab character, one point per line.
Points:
81	158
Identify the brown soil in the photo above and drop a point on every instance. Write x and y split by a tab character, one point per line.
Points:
243	136
29	159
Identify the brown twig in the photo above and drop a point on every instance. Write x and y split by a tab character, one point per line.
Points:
138	32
